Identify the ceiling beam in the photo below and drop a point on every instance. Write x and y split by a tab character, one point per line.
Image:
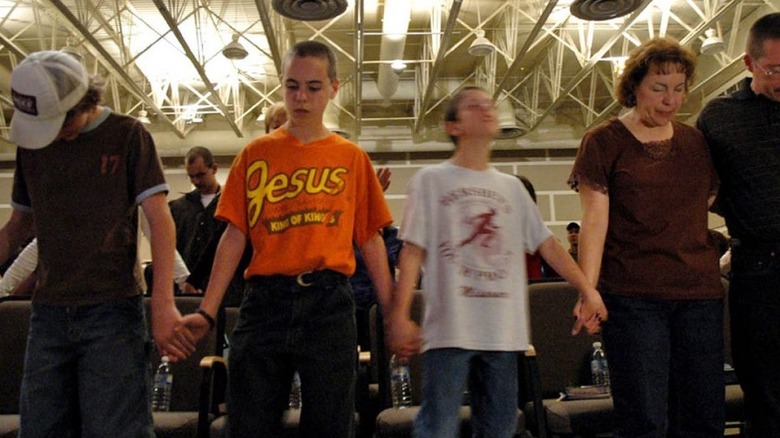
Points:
588	67
540	22
359	48
273	46
12	47
604	114
214	94
118	70
452	19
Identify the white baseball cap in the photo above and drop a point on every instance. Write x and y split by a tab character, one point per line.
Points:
44	87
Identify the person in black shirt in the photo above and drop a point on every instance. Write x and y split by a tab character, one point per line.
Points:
743	132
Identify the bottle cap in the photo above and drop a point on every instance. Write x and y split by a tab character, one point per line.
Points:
165	359
597	344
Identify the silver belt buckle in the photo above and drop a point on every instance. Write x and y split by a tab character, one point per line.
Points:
301	282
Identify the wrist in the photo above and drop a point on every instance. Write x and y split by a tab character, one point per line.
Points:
210	319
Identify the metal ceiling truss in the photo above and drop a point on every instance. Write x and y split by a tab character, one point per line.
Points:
545	63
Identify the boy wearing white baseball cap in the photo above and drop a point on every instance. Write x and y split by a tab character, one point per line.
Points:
81	172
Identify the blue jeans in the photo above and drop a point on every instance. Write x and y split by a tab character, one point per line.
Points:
492	387
666	367
282	327
754	303
86	372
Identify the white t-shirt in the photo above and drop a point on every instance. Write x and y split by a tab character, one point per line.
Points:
475	227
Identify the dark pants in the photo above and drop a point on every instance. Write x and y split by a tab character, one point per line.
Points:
86	372
284	326
666	367
754	302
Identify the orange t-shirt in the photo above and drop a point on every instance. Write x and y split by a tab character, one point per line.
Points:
302	206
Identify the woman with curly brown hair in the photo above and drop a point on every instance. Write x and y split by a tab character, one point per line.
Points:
645	182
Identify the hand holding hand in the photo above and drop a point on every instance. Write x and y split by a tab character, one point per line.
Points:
404	338
197	325
171	337
590	312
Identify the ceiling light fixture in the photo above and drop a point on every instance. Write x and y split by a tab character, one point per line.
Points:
508	126
481	46
398	66
72	50
713	43
234	50
143	117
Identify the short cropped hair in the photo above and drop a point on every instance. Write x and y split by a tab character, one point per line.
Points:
765	28
314	49
200	152
451	110
664	55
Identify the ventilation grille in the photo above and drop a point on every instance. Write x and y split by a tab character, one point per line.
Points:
310	10
600	10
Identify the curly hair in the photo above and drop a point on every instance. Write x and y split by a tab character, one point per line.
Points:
661	55
93	97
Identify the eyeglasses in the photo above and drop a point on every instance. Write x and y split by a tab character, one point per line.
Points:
772	73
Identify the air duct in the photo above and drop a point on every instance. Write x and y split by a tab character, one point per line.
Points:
395	25
600	10
310	10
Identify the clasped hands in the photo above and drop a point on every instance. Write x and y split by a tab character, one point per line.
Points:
177	336
589	313
403	336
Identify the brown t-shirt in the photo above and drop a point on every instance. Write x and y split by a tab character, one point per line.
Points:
83	195
657	243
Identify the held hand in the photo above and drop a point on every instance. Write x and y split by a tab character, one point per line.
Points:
589	313
170	336
404	338
197	325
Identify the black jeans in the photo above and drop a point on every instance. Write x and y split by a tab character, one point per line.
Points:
754	300
286	325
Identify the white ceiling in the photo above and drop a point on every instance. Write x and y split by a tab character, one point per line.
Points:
551	71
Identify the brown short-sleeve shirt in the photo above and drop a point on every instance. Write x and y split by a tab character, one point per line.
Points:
83	195
657	243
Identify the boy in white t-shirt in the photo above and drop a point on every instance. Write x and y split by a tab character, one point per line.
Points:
470	227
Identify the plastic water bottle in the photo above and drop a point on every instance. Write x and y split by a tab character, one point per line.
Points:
163	382
400	384
295	392
598	366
